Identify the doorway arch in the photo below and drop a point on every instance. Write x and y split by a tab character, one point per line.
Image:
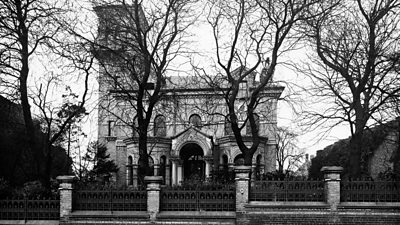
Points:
193	164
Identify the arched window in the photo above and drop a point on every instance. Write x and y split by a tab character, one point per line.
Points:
239	160
228	127
195	120
160	128
256	120
130	170
258	167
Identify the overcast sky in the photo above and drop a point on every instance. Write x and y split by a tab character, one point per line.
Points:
203	43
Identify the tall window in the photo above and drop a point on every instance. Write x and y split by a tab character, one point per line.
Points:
256	120
160	128
110	127
195	120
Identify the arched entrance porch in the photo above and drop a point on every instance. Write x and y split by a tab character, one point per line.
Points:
190	163
193	164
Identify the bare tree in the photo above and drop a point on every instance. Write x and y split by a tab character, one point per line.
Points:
20	23
288	154
250	36
352	69
137	42
27	30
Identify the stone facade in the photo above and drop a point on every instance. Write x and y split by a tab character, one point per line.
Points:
188	137
209	144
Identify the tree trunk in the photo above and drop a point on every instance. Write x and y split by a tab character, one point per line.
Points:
23	38
143	154
355	154
248	158
29	127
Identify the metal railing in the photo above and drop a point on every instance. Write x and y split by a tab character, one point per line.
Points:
198	198
110	199
23	208
287	190
369	191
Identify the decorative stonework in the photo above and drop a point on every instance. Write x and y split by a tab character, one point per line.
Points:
208	158
192	135
175	158
232	139
111	138
150	140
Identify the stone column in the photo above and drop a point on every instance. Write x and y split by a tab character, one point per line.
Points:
180	173
208	160
253	172
207	169
167	174
220	166
231	166
332	185
153	195
65	196
121	159
242	184
174	181
156	169
134	175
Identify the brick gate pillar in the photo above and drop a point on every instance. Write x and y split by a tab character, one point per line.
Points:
242	183
332	185
65	196
153	195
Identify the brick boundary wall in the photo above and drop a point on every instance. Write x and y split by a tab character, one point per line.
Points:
331	211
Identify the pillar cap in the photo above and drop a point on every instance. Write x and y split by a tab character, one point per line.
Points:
242	169
332	169
66	179
153	179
